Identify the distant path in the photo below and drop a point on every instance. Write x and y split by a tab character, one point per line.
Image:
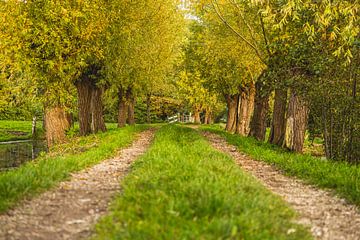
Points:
329	217
70	210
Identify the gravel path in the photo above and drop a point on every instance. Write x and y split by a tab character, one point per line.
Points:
70	210
329	217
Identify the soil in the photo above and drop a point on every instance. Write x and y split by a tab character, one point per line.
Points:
329	217
71	210
17	133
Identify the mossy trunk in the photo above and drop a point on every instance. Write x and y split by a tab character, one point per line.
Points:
98	122
251	103
84	89
56	124
232	102
148	108
296	123
197	119
208	116
122	108
130	99
278	124
261	108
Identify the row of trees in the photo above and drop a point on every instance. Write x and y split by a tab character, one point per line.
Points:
297	58
66	52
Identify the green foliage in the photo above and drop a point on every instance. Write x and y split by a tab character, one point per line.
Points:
18	130
341	177
142	44
58	40
35	177
184	189
161	108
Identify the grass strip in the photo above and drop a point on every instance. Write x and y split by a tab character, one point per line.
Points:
182	188
17	130
42	174
342	177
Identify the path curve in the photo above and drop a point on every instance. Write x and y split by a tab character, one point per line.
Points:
329	217
70	210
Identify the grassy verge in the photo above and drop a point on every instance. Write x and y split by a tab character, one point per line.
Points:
184	189
17	130
42	174
339	176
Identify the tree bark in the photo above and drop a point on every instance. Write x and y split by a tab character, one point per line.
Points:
70	118
33	127
243	112
296	123
251	103
207	116
131	106
97	123
278	124
122	109
261	108
56	124
148	108
232	102
197	119
84	104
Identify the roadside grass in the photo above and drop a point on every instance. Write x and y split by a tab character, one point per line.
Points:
314	148
341	177
182	188
48	170
17	130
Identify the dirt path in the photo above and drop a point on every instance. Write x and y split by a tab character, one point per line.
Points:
329	217
70	210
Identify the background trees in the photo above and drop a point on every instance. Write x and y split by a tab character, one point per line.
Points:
72	51
275	64
142	46
296	52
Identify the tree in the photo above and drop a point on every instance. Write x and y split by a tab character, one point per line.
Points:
141	50
57	41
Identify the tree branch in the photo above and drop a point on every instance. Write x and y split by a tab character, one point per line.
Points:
264	34
236	32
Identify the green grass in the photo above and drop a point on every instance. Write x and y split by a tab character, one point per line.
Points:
341	177
17	130
42	174
184	189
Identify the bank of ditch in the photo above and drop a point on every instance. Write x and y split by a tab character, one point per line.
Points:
45	172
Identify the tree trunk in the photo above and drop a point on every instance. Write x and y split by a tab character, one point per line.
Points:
261	108
122	111
131	106
232	102
207	116
197	119
70	118
97	123
242	113
148	108
33	128
84	104
278	124
56	124
251	103
296	123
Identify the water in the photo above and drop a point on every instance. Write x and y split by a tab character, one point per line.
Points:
14	154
